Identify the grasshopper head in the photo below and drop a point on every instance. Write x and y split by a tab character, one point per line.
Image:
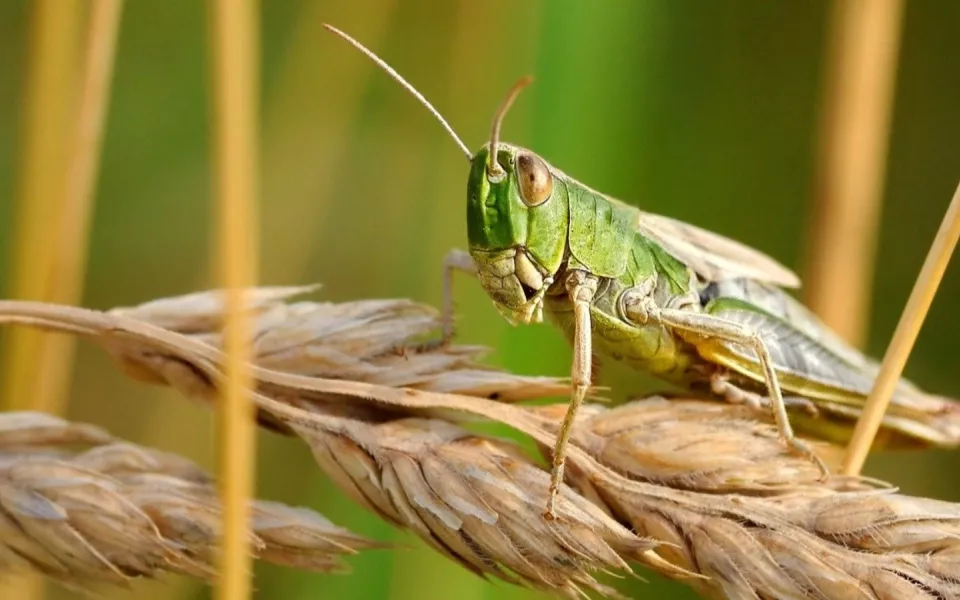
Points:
516	211
517	228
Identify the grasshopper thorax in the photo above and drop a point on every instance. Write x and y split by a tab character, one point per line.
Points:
517	221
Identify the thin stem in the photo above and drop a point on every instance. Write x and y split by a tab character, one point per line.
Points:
47	110
68	267
234	30
854	131
904	337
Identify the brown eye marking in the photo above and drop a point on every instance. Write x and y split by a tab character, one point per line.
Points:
536	182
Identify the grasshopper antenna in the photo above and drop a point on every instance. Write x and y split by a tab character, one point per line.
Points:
494	170
406	85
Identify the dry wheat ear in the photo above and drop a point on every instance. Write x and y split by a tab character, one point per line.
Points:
699	491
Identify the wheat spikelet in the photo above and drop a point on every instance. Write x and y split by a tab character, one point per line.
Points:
85	509
699	491
696	445
476	500
382	342
386	342
803	542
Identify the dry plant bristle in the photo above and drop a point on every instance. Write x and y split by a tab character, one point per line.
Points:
85	509
694	489
895	358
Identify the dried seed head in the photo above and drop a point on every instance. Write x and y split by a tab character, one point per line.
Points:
477	501
387	342
32	430
118	511
759	529
698	445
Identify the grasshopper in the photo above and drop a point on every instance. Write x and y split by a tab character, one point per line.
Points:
692	307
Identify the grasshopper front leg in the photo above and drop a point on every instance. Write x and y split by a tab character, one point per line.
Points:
455	260
643	310
581	288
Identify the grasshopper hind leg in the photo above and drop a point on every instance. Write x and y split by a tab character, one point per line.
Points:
700	325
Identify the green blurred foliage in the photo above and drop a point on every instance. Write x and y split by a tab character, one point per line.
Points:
703	111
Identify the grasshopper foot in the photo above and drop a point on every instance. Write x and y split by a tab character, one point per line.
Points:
803	450
550	513
448	332
734	395
556	478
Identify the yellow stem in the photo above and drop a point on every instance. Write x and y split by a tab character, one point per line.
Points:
47	111
855	123
46	114
235	45
904	337
67	271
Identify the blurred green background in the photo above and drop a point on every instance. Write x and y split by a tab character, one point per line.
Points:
703	111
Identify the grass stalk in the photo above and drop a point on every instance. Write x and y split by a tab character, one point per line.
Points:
854	129
235	45
69	261
904	337
46	116
47	104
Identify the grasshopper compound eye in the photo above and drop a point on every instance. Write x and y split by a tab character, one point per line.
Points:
536	182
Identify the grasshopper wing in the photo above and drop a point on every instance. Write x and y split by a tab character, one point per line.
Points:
712	256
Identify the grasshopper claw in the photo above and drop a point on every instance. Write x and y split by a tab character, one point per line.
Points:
805	451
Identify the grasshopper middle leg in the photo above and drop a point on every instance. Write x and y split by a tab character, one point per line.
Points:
733	394
581	288
644	310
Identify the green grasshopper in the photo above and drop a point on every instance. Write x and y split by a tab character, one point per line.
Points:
689	306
